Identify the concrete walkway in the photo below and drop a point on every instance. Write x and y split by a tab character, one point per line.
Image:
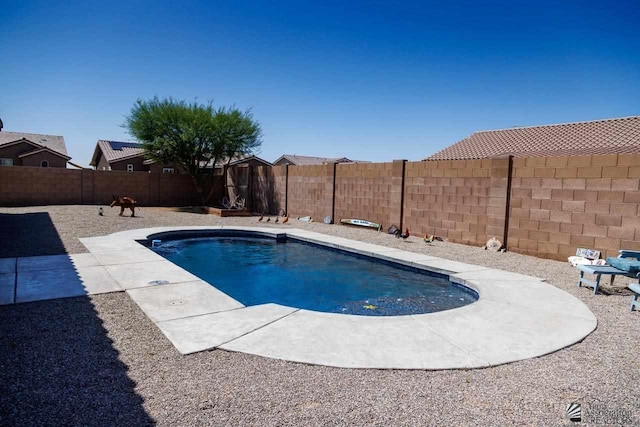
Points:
516	317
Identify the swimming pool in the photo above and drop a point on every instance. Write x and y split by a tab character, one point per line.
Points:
256	270
196	316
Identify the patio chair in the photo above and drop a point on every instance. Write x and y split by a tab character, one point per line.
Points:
622	265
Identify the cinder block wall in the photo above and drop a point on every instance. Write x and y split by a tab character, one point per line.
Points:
310	191
462	200
363	190
556	203
106	184
179	190
280	193
29	186
561	203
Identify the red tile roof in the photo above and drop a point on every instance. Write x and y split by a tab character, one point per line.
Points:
610	136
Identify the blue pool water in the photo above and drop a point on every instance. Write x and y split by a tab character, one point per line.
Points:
297	274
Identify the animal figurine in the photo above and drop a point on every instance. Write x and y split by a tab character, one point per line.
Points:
429	238
124	203
493	244
260	219
100	211
285	220
404	235
277	219
268	219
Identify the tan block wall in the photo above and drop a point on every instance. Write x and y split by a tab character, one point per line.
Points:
25	186
556	204
179	190
280	192
28	186
310	191
119	183
561	203
464	200
363	191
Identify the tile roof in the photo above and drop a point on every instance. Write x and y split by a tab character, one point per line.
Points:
238	160
610	136
308	160
40	150
114	151
52	142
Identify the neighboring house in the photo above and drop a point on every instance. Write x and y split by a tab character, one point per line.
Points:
610	136
130	156
292	159
249	161
125	156
32	149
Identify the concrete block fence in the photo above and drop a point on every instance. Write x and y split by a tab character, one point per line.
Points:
541	206
32	186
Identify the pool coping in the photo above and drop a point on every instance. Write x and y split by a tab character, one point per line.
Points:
517	317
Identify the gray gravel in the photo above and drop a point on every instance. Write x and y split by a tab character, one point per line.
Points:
99	361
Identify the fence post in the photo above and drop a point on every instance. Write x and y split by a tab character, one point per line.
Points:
397	191
286	189
333	195
499	197
507	213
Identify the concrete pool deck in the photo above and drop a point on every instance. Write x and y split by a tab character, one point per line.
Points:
516	317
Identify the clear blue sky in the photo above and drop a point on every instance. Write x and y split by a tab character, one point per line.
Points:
367	80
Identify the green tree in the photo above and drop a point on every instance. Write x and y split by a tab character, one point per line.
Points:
193	136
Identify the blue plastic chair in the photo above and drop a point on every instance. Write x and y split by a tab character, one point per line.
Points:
635	287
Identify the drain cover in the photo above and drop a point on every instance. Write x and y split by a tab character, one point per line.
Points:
176	302
158	282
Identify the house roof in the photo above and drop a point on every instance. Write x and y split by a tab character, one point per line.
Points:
308	160
610	136
221	162
40	150
53	142
75	165
114	151
245	159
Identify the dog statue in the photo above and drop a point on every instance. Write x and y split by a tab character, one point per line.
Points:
124	203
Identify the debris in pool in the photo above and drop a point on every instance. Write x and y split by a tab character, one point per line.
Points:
399	299
344	308
369	307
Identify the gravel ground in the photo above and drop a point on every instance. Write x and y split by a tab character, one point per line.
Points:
99	361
